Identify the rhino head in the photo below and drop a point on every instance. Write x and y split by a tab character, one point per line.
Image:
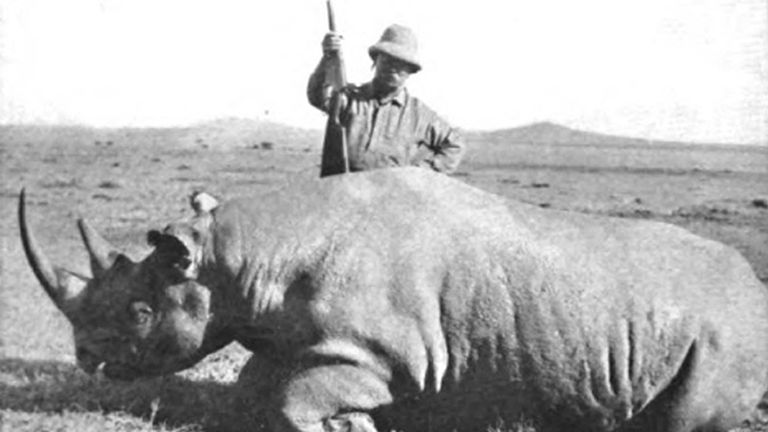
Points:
134	318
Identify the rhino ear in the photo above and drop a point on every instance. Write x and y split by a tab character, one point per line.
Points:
203	203
167	244
101	253
154	238
172	253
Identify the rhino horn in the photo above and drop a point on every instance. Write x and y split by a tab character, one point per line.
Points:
63	287
102	253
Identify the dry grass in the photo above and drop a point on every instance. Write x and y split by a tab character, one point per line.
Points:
143	179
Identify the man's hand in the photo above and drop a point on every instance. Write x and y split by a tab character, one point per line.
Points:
332	43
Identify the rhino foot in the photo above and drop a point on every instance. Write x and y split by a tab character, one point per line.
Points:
350	422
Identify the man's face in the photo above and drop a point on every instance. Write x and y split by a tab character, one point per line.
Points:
390	73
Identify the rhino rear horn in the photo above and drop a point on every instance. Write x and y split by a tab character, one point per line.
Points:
62	287
101	253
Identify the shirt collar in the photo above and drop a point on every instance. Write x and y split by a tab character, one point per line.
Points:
399	99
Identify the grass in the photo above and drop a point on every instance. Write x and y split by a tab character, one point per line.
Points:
88	422
42	390
50	395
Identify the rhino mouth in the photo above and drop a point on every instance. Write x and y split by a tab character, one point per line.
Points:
90	365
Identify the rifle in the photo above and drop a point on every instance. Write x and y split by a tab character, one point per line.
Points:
335	76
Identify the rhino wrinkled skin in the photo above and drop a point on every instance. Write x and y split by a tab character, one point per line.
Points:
427	303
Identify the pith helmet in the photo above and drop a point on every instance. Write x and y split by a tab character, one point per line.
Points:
399	42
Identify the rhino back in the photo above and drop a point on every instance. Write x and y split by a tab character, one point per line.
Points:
411	271
600	315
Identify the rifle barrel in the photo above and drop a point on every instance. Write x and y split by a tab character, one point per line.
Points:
331	16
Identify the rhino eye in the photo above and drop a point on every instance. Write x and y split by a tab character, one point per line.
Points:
140	312
184	263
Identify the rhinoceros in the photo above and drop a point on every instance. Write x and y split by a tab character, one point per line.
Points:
410	300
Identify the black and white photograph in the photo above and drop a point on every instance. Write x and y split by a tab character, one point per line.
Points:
384	216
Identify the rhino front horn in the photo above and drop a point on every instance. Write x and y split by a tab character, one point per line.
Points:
62	287
102	253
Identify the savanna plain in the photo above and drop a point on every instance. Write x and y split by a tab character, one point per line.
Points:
128	181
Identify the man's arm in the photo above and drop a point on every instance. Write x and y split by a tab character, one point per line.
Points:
319	93
447	147
320	87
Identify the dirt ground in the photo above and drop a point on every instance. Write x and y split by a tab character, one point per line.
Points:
129	181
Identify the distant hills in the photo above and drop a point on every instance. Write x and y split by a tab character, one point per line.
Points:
547	133
220	133
250	132
544	133
237	132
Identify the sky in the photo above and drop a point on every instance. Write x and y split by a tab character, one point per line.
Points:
688	70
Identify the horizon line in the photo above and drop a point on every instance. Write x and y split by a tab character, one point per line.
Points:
204	123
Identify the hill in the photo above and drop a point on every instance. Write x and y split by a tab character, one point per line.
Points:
244	132
252	132
221	133
547	133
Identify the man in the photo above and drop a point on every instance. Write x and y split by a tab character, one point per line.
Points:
383	125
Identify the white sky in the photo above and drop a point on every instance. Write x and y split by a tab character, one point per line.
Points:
693	70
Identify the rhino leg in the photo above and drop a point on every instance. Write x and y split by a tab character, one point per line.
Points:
703	397
329	398
350	422
256	383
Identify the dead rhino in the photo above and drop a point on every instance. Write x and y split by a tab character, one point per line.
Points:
429	304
